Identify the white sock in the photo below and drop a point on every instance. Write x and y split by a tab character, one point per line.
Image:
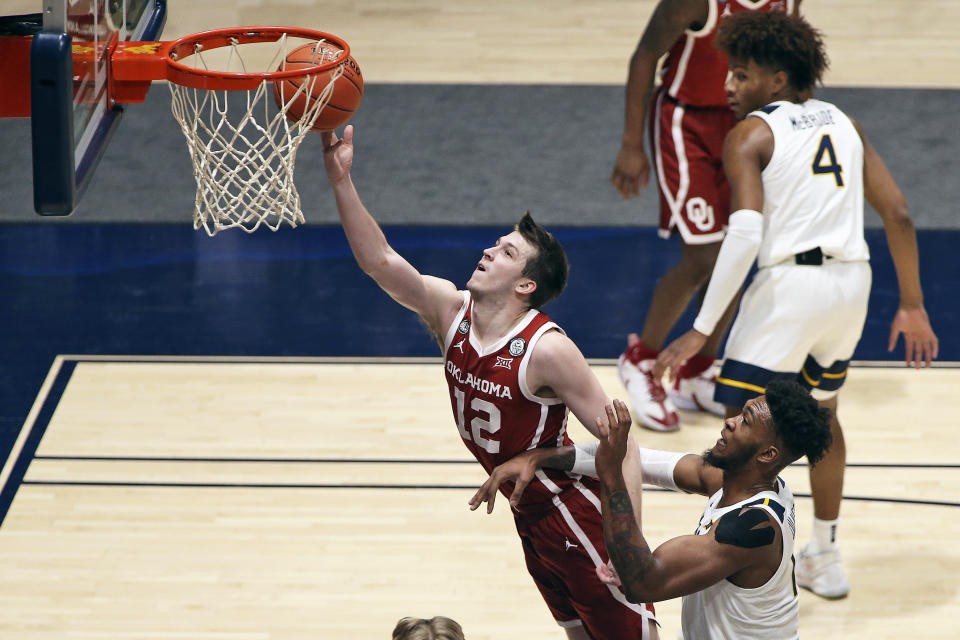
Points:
824	535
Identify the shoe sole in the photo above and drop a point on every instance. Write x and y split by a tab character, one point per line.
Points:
825	596
659	427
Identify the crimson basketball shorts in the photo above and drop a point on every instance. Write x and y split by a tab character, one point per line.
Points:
563	549
688	159
796	322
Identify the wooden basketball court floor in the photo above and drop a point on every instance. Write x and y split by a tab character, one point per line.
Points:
231	498
239	498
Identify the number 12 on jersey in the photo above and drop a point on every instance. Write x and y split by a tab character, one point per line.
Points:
478	425
829	164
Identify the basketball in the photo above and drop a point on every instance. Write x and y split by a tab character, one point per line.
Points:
347	90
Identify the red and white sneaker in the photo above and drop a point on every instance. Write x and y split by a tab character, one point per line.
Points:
647	396
696	393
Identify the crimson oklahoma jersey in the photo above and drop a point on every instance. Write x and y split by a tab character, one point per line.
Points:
694	71
497	415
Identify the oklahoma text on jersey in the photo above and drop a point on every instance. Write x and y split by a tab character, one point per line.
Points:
485	386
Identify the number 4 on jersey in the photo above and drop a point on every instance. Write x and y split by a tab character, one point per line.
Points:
829	164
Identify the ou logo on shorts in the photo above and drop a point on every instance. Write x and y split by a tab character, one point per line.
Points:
700	213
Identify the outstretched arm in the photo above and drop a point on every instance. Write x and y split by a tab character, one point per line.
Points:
558	369
885	197
689	474
436	300
746	150
741	540
669	20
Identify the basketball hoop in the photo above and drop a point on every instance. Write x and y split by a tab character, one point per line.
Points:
242	146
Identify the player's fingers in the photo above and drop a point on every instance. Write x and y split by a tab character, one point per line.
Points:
657	370
910	349
348	134
623	412
664	361
615	405
329	139
620	183
617	428
486	493
491	498
478	498
617	187
604	574
518	488
611	416
602	428
894	334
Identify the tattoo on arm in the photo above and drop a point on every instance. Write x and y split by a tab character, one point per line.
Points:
620	503
628	550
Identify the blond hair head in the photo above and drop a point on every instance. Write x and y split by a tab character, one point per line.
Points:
436	628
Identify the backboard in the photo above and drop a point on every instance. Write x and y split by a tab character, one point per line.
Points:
71	117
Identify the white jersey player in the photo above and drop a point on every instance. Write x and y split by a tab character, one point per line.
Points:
736	573
817	208
725	610
799	170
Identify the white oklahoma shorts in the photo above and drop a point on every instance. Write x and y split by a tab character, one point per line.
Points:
799	322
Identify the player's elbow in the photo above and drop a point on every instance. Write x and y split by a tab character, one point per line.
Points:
640	593
889	203
634	596
643	56
371	267
645	589
374	265
897	217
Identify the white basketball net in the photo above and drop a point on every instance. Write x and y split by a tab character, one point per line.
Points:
243	151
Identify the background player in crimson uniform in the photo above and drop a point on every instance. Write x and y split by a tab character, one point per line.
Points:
512	373
689	118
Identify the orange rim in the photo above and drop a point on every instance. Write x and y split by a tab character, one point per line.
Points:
188	76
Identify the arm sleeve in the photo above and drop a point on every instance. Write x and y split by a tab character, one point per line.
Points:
737	253
657	466
584	461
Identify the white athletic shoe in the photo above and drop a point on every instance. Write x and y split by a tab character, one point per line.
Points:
696	393
647	396
822	573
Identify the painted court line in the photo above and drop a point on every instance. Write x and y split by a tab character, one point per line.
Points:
22	453
460	487
86	458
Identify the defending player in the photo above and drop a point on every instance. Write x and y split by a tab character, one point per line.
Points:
799	169
512	374
736	572
688	120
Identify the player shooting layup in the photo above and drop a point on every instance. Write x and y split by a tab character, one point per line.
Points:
512	373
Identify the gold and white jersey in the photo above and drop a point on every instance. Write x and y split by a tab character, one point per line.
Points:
813	184
768	612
